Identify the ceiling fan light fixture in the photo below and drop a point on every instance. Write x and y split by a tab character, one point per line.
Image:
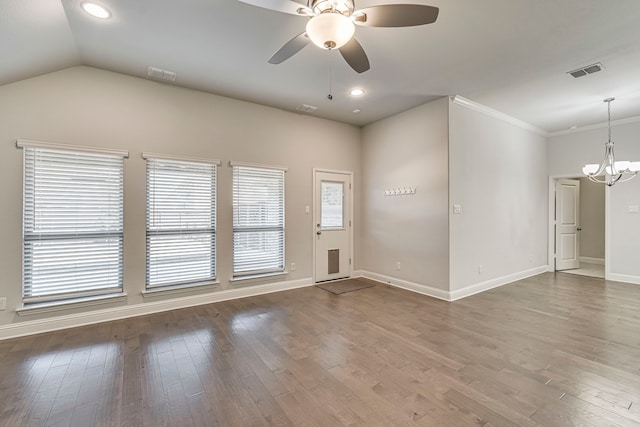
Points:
95	10
330	30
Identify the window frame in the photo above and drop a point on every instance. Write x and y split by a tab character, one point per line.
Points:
70	236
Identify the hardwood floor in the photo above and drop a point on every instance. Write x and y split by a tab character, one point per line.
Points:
552	350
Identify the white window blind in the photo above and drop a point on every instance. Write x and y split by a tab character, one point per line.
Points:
181	222
72	224
258	220
331	208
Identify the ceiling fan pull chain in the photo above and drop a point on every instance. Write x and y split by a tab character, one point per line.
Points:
330	96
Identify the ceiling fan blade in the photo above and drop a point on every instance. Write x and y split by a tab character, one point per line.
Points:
396	15
353	53
290	48
286	6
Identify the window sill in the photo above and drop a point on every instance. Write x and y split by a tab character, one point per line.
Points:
53	306
257	276
177	289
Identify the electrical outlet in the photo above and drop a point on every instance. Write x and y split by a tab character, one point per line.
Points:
398	265
293	266
479	268
3	303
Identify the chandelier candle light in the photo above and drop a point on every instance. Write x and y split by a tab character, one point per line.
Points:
613	171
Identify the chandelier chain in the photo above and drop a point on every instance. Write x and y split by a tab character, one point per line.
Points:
609	116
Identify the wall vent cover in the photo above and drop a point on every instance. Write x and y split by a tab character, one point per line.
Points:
583	71
306	108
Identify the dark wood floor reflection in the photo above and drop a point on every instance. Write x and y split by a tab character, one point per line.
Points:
552	350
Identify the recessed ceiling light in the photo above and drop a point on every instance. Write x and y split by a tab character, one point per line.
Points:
356	111
96	10
356	92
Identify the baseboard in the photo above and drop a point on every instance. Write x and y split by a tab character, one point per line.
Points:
404	284
454	295
495	283
599	261
97	316
357	273
624	278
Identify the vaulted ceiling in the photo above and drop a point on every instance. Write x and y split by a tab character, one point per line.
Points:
511	55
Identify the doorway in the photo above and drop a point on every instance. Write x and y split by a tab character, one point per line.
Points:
332	225
577	239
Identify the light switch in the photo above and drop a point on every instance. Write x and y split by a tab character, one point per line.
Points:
634	209
307	209
457	209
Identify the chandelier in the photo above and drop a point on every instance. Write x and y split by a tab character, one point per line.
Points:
613	171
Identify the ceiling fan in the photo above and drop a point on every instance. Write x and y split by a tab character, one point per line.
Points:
331	25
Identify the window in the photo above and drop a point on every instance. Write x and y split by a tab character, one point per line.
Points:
72	222
331	209
181	221
258	220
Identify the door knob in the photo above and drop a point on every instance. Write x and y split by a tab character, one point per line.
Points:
579	229
318	232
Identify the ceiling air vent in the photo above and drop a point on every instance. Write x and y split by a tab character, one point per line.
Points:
159	73
306	108
589	69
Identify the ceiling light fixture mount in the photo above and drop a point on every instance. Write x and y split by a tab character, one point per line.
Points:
611	171
95	10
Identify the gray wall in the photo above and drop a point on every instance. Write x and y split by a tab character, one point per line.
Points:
497	173
454	154
591	219
407	150
91	107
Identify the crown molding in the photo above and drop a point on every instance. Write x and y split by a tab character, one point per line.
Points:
472	105
587	128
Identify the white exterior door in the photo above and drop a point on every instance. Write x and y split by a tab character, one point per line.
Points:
332	225
567	224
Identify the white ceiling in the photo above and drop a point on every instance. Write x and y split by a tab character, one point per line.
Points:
510	55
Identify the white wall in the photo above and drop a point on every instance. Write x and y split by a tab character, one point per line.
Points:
566	156
87	106
407	150
591	219
497	174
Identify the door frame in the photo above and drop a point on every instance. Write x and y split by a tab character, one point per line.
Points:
551	237
314	219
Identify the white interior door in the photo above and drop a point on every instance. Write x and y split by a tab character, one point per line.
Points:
567	224
332	225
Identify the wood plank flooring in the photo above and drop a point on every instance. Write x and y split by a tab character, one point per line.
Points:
552	350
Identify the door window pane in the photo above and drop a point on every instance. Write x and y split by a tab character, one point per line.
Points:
332	209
